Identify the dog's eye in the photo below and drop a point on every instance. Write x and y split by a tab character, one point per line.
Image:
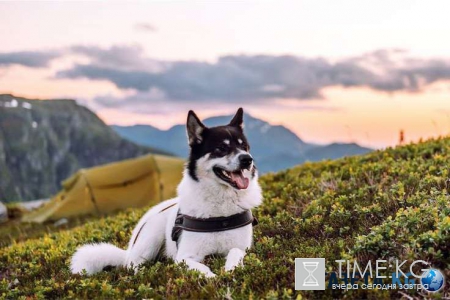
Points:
222	149
245	146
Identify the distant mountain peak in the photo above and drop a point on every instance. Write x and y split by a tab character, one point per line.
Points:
274	147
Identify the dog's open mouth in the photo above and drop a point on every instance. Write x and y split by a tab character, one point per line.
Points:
236	178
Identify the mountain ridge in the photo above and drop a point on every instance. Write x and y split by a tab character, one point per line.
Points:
274	147
42	142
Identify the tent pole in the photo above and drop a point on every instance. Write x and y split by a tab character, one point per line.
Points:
91	193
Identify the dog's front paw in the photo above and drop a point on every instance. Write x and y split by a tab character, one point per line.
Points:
235	258
231	267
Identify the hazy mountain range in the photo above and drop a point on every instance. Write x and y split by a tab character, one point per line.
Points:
274	147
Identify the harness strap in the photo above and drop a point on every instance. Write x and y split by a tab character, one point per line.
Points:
188	223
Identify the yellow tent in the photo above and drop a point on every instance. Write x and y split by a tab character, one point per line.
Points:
137	182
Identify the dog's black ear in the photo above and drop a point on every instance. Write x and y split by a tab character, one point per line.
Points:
194	128
238	119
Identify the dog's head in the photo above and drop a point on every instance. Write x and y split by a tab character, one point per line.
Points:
220	154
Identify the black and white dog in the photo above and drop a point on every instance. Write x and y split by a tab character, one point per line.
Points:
211	214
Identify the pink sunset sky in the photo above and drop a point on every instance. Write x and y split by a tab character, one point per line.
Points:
347	71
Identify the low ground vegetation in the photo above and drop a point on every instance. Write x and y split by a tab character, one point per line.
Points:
391	204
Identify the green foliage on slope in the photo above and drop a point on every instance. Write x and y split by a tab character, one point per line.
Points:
391	204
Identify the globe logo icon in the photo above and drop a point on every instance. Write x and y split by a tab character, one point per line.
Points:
432	280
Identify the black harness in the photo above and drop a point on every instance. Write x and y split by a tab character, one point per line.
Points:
188	223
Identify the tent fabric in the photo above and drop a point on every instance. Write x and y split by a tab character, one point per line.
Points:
138	182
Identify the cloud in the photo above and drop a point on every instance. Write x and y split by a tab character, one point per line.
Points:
137	80
154	102
252	78
32	59
256	77
394	71
136	100
119	58
146	27
230	78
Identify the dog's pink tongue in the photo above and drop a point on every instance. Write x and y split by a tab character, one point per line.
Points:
241	181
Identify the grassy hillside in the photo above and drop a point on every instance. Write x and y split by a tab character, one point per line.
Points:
384	205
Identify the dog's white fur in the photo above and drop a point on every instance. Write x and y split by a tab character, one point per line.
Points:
207	197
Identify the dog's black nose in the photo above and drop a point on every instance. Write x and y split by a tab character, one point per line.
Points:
245	160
